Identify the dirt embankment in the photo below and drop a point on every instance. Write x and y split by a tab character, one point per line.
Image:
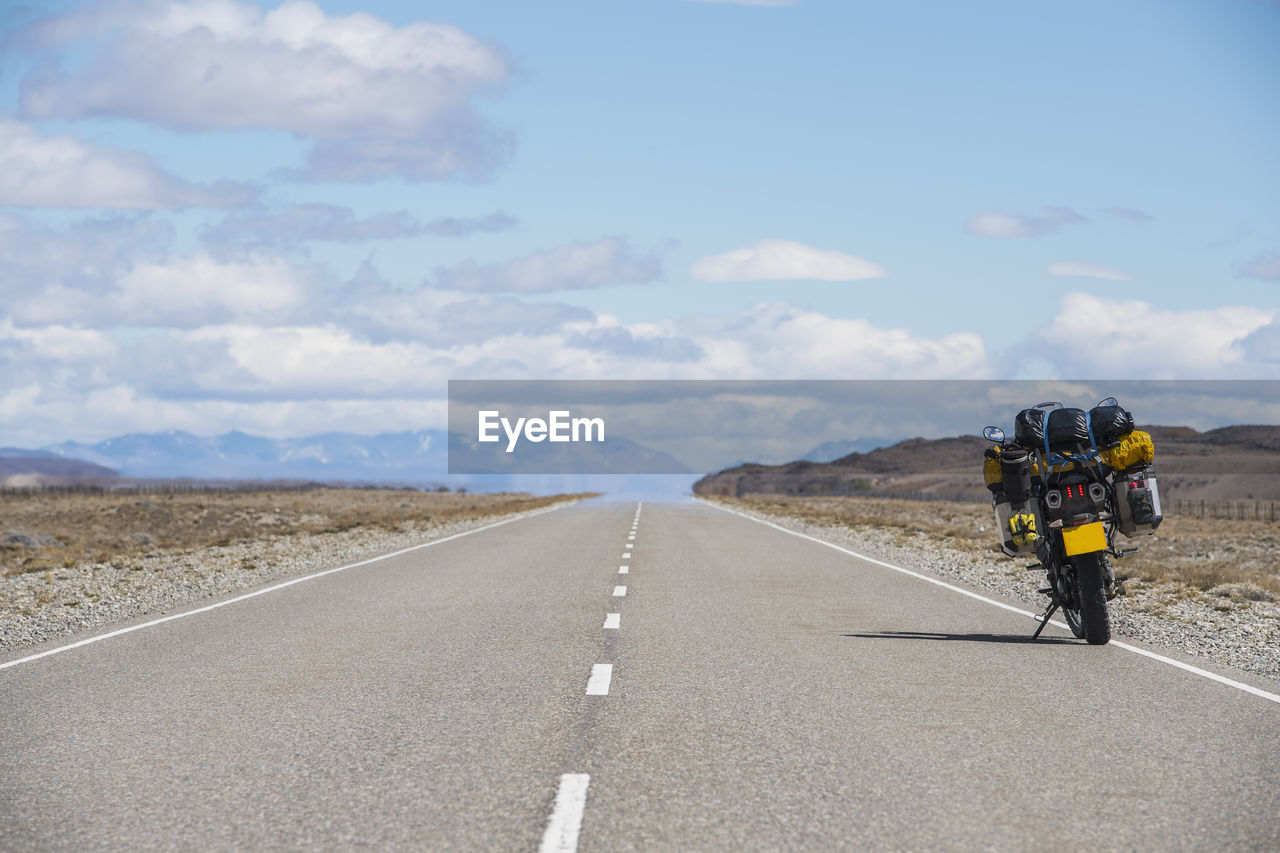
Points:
45	530
84	562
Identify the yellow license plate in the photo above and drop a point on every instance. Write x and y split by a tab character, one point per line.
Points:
1084	539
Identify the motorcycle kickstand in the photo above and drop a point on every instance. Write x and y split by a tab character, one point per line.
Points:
1044	620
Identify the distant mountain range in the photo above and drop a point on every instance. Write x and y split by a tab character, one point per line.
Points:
829	451
410	458
619	456
404	457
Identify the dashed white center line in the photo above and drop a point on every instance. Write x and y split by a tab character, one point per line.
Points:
626	556
632	536
629	545
619	591
622	570
612	620
566	816
598	683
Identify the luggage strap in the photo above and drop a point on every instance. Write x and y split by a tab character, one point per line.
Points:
1052	459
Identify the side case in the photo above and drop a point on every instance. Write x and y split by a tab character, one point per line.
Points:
1024	544
1137	497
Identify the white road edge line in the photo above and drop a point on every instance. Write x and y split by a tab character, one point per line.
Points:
613	621
561	835
279	586
1213	676
598	683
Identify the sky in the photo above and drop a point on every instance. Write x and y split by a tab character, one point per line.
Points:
306	217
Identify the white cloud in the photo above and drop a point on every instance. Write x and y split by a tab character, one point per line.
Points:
1264	267
61	171
597	263
330	223
186	291
36	255
198	290
780	341
1076	269
1010	225
378	99
327	361
40	415
1128	213
60	343
1263	343
784	260
1092	337
270	346
285	378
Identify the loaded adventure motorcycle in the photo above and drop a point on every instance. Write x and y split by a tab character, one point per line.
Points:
1068	482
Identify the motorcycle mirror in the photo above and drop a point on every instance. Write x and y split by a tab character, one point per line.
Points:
993	433
1110	401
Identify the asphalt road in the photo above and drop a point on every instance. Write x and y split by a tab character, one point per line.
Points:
766	693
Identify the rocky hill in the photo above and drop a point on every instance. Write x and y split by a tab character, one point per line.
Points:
33	468
1235	462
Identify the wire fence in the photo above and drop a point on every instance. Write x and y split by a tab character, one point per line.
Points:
1224	509
1234	510
929	497
1227	510
170	487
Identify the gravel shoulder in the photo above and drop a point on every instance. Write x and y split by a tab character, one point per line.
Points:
36	607
1234	631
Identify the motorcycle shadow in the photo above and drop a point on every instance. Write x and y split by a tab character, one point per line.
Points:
970	638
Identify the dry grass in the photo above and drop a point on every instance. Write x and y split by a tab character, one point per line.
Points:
1235	559
83	528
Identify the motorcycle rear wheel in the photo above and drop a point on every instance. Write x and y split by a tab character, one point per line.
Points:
1095	621
1074	621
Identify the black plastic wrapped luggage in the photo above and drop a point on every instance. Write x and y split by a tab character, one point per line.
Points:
1110	424
1028	429
1066	429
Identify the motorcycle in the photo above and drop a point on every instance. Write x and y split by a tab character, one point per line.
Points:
1060	496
